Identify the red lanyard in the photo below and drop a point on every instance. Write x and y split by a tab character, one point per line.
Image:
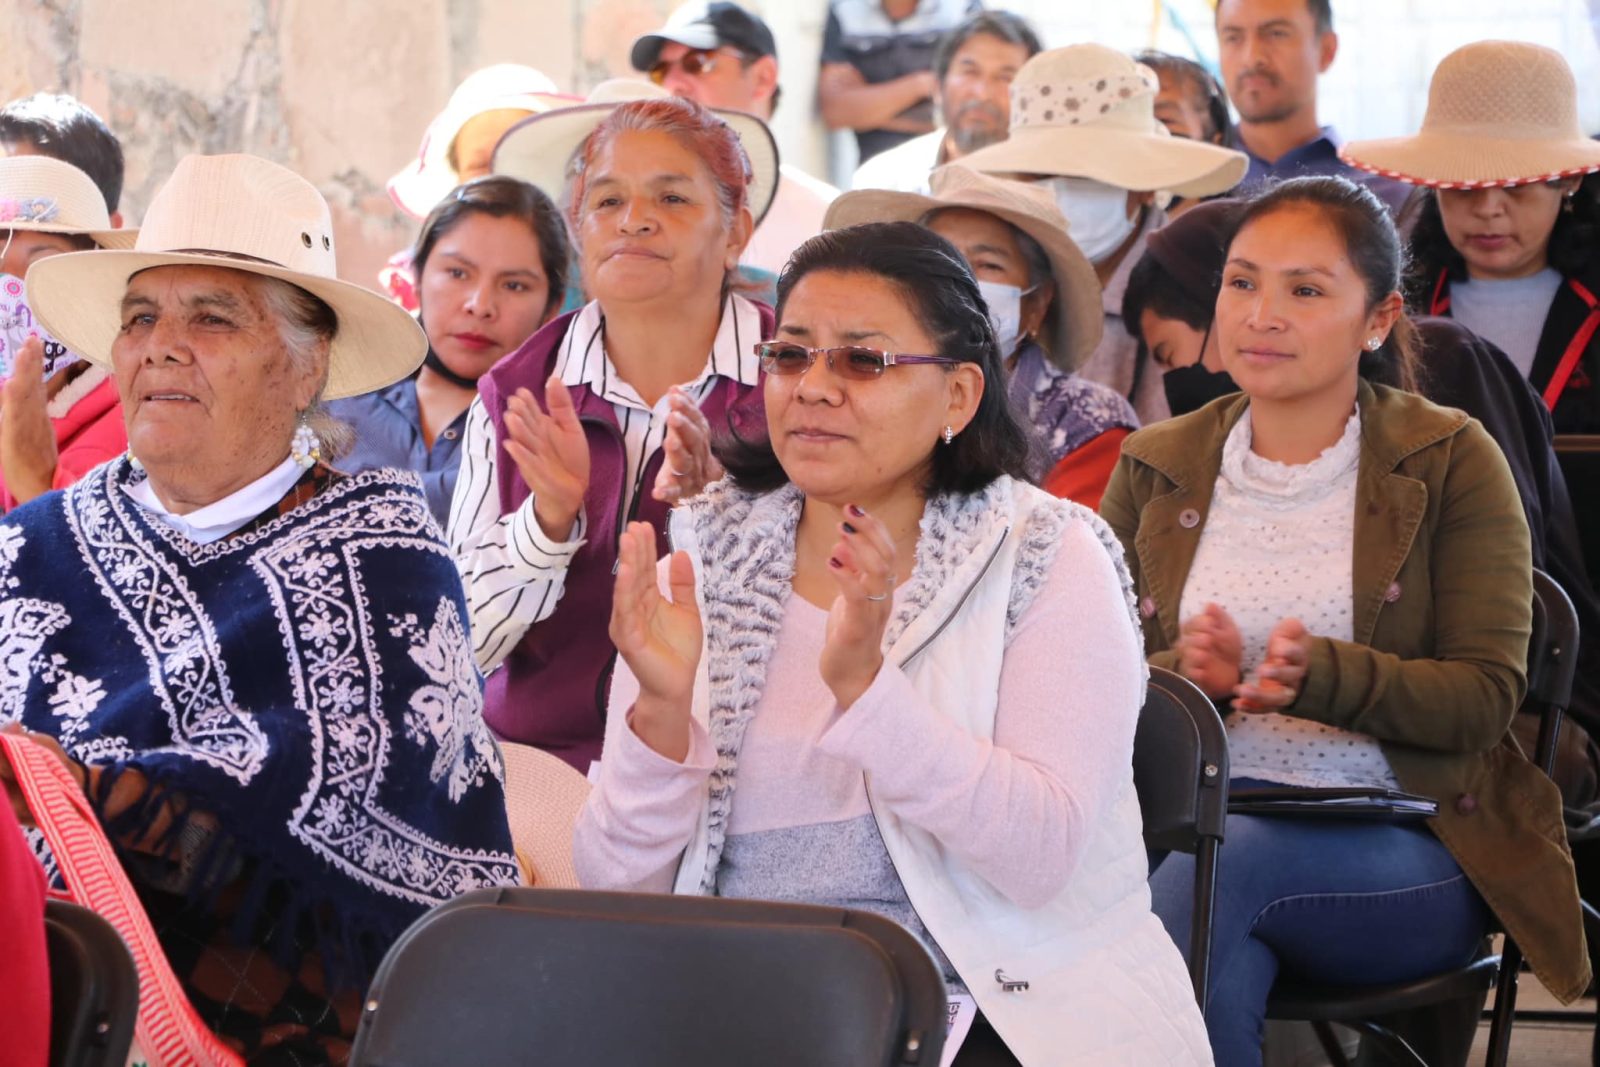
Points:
1440	305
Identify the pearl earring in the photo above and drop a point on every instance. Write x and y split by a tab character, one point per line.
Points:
948	435
306	448
1374	343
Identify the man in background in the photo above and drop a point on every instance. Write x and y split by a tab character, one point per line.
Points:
1272	53
877	59
723	56
974	65
58	126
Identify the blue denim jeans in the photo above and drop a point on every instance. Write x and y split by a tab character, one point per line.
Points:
1349	902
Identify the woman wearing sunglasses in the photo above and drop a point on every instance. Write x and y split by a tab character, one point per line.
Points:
604	415
848	684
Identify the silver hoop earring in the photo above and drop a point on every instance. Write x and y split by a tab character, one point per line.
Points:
306	447
948	435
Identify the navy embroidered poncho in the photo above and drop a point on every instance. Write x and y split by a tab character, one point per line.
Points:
307	684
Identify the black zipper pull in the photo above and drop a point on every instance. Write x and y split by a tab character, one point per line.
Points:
1010	985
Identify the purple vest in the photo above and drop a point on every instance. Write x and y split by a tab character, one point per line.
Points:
550	692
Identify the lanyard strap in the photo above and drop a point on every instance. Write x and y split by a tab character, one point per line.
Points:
168	1031
1440	304
1575	348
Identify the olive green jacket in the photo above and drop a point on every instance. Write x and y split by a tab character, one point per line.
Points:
1442	616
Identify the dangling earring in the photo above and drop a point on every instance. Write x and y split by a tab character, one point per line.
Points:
306	448
133	460
948	435
1566	202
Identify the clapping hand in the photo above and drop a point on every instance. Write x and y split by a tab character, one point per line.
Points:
28	451
1278	680
552	454
863	564
658	638
687	465
1209	650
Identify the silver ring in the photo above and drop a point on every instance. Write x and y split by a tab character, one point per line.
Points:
880	596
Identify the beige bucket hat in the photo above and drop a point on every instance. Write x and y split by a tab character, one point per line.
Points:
49	196
1499	113
539	149
244	213
1087	111
429	178
1079	317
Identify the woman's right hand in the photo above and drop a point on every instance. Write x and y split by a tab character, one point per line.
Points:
552	454
1209	651
658	638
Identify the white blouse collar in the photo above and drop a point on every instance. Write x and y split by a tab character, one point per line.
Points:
217	520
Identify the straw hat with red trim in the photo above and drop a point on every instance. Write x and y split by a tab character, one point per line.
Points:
246	214
1499	113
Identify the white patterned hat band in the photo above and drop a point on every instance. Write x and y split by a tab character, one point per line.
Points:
1100	101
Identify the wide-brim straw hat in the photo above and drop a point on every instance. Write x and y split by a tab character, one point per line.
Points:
544	796
1079	316
539	149
48	196
1499	113
246	214
429	178
1087	111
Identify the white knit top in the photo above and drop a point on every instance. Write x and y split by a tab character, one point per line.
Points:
1278	544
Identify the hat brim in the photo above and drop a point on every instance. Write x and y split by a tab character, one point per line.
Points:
428	179
647	49
1080	317
1455	161
538	149
113	239
77	297
1123	158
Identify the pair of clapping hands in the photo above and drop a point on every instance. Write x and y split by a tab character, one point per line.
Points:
1209	654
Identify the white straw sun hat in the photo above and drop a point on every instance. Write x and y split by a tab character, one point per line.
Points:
1079	316
48	196
539	149
1087	111
1499	113
243	213
429	178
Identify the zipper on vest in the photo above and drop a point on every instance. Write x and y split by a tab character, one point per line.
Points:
998	545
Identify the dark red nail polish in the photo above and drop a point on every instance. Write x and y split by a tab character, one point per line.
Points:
835	564
848	528
852	509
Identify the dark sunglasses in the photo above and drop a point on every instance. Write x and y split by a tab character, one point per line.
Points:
694	63
853	362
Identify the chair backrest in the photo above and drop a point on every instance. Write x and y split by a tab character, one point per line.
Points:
94	988
1552	663
543	797
562	977
1180	764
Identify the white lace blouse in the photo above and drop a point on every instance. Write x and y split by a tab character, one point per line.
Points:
1278	544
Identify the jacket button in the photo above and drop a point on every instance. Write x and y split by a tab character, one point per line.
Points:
1466	804
1147	607
1391	594
1188	518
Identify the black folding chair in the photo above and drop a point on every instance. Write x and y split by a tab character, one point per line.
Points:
1552	659
1180	770
94	988
565	978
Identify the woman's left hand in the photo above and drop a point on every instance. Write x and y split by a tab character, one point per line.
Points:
687	465
863	563
1282	673
27	440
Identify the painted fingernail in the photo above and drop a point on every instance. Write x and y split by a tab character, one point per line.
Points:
852	509
848	528
834	563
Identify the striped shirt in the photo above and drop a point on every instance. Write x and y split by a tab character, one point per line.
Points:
514	574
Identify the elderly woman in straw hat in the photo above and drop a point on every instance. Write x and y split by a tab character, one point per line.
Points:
1044	303
606	414
257	668
60	413
1505	238
1083	124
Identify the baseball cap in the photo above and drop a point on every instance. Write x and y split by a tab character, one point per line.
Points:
706	26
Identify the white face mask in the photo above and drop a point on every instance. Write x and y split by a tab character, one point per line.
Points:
1005	314
1097	214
